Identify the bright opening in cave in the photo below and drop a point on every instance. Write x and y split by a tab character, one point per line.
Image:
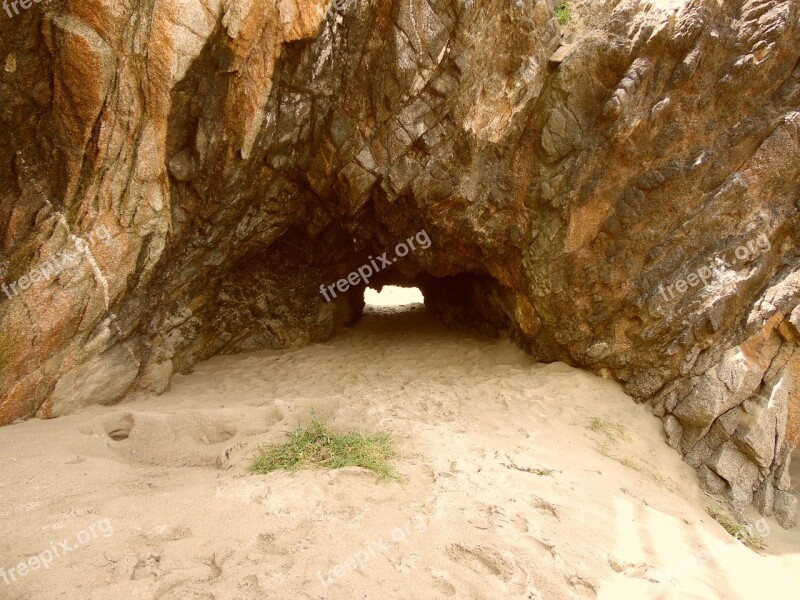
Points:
392	295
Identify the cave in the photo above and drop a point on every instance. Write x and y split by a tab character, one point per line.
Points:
603	192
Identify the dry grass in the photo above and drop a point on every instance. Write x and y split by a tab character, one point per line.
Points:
733	527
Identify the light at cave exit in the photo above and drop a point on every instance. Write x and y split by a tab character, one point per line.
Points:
392	295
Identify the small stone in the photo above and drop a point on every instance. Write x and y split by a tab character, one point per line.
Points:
181	166
597	351
11	63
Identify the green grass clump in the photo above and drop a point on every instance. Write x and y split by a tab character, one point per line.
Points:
612	431
315	446
563	13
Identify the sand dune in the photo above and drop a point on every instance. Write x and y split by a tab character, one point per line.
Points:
520	481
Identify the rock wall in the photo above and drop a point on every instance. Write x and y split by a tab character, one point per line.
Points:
620	193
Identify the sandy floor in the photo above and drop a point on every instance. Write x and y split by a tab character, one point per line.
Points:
508	491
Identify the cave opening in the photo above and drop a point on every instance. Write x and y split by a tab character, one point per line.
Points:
392	296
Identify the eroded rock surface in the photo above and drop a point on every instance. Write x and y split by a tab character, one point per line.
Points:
620	193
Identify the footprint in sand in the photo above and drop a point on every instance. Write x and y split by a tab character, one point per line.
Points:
185	439
520	523
232	456
637	570
167	533
119	427
546	507
488	560
582	586
186	593
441	584
147	566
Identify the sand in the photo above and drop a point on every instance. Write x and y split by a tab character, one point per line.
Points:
520	481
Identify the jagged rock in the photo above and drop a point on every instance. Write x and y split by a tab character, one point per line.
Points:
723	387
756	434
740	473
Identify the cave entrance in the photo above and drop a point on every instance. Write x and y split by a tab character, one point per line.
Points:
392	295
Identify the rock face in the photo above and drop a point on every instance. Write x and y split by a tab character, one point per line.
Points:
620	193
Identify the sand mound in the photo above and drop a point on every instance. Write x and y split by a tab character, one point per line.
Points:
521	481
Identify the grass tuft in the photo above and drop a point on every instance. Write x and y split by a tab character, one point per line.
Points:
563	13
612	431
315	446
734	528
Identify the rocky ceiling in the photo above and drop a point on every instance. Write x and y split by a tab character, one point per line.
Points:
179	179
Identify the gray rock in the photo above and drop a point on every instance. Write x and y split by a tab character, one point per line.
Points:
730	420
710	481
785	509
782	480
659	410
100	380
707	401
671	401
674	431
699	453
757	431
764	499
735	468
